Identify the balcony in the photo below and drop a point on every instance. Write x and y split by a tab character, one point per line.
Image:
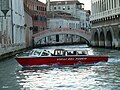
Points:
104	14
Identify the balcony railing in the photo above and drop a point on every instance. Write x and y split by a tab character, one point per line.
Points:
104	14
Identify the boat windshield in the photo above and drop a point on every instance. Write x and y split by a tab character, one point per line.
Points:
45	54
39	52
35	52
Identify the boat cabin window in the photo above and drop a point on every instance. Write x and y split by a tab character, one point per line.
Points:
45	54
31	52
37	53
72	53
59	52
83	52
78	52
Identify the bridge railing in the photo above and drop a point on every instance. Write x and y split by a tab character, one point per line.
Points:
47	31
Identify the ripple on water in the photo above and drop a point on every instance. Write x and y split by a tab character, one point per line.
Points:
100	76
91	77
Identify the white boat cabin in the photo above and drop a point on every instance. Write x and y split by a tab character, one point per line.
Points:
63	52
56	52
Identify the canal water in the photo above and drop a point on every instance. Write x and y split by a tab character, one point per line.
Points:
100	76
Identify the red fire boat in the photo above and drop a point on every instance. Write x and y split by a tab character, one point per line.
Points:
38	57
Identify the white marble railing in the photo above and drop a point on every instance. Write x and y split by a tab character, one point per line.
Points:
111	12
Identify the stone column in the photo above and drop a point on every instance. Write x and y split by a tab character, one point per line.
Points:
48	5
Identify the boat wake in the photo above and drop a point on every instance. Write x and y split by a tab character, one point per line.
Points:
114	60
39	67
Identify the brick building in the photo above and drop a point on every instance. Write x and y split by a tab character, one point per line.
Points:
38	14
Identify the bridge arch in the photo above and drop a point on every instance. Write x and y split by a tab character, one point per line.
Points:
81	39
82	33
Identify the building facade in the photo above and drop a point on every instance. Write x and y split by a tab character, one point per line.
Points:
74	7
39	15
105	21
12	33
65	14
60	19
28	26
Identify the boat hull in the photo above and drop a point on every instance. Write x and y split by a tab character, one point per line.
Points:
61	60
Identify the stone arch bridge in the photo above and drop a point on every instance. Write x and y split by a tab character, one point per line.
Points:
82	33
